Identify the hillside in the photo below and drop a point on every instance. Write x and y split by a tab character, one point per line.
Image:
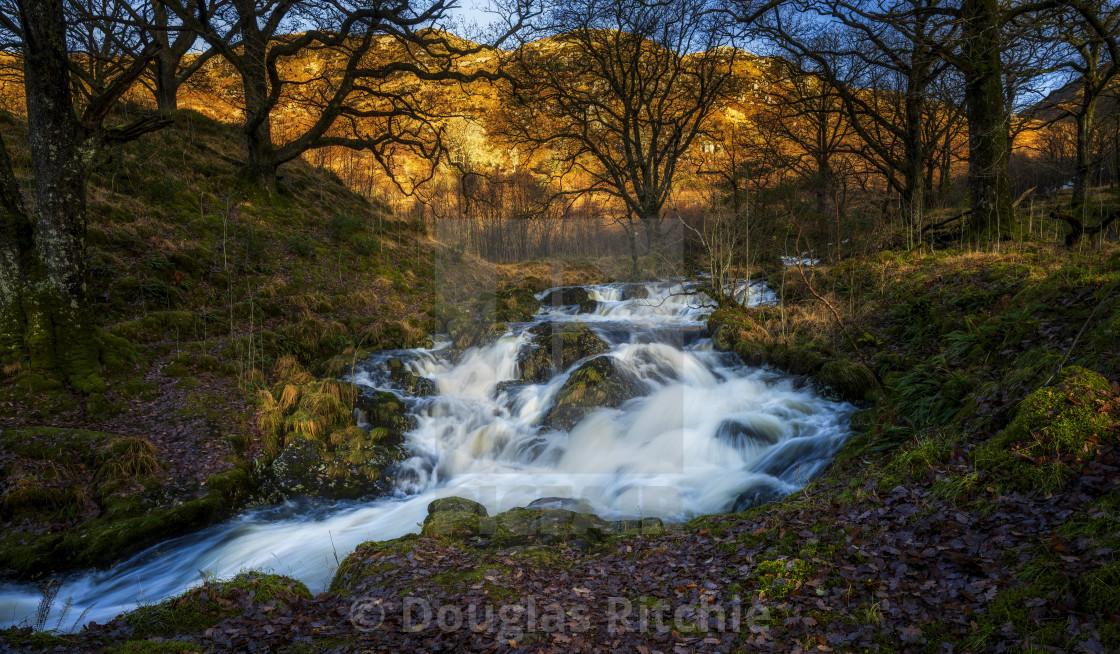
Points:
206	284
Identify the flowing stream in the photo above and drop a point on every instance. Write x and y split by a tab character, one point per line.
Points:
706	434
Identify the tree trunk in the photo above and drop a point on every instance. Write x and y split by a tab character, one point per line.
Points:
651	223
989	136
60	152
913	197
912	200
44	315
167	83
260	166
1083	174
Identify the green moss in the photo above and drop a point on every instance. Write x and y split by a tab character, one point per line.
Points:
851	381
485	576
778	578
160	326
203	607
1054	427
731	327
515	305
365	561
571	342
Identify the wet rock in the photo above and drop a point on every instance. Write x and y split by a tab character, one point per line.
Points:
515	305
742	435
597	383
756	496
297	468
635	292
307	468
489	317
574	295
569	503
409	381
456	504
542	523
568	342
456	517
470	331
383	410
549	526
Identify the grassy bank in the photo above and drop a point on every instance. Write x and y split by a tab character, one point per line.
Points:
202	285
976	507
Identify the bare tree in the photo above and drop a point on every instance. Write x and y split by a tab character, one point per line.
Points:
1091	63
883	66
172	66
370	97
618	95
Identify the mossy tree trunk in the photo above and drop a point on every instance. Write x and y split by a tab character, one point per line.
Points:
1082	179
44	318
260	166
989	129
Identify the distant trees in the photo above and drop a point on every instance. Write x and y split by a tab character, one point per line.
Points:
1092	63
883	67
374	55
618	95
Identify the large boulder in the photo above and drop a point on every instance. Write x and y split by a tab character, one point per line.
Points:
730	327
307	467
381	410
571	296
409	381
515	305
489	315
597	383
457	518
635	292
538	361
749	434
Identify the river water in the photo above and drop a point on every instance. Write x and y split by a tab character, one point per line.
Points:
706	434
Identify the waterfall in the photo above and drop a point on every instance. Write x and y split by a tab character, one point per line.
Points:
704	434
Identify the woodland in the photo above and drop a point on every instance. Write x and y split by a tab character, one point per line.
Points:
581	325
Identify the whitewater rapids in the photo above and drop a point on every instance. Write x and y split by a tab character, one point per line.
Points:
707	434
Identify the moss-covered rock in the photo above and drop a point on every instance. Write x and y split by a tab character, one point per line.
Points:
597	383
201	608
555	348
1055	428
461	519
730	327
515	305
635	292
460	504
383	410
409	381
353	467
566	297
849	380
486	318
